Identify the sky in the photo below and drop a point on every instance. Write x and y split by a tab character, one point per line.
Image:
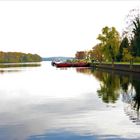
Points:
58	27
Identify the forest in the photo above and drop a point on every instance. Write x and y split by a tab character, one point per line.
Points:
18	57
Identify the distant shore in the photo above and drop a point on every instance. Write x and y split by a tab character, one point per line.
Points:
18	57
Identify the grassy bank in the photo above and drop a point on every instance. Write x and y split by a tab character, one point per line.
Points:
123	63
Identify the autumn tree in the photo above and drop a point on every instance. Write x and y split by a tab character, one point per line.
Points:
80	55
96	53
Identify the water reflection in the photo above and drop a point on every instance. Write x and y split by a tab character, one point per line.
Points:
16	67
73	136
9	65
114	84
7	71
109	84
47	103
131	97
109	88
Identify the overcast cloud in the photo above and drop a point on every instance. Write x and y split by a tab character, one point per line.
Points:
58	28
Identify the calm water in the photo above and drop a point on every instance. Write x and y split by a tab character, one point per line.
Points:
46	103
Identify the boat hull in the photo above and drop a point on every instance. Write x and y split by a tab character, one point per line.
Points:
72	64
63	65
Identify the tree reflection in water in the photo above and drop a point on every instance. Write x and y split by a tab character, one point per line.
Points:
113	84
131	98
109	84
109	87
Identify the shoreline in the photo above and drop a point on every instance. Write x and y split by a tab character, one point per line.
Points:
120	67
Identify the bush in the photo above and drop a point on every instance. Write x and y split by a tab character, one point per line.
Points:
137	59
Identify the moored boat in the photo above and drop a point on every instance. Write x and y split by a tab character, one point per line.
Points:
70	64
63	64
53	63
80	64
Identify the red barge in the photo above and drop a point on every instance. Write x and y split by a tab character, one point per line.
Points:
70	64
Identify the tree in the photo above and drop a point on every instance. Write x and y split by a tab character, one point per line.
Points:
126	55
96	53
133	31
136	38
110	40
80	55
124	44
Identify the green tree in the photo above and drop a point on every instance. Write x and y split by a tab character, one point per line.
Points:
124	44
126	55
133	31
136	37
110	40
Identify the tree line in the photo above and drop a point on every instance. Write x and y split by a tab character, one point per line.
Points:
116	48
18	57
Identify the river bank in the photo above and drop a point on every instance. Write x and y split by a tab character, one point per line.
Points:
121	67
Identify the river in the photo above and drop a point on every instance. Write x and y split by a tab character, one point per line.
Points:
49	103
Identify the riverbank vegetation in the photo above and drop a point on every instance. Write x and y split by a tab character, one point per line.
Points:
18	57
113	47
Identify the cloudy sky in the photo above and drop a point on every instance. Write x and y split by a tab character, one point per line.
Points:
58	27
